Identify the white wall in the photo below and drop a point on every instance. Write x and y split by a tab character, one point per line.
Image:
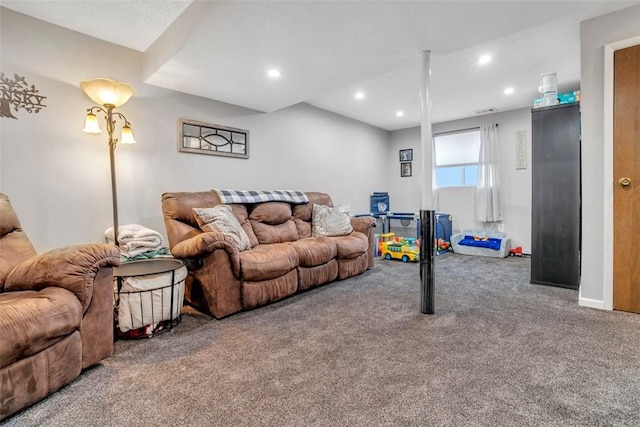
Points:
460	201
57	177
597	229
404	192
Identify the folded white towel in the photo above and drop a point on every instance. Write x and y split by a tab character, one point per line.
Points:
135	239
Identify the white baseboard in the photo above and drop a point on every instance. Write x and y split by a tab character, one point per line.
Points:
592	303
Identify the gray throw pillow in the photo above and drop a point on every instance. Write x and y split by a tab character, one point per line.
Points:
328	221
221	219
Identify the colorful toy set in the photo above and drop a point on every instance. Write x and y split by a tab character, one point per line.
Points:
400	251
441	246
517	251
390	246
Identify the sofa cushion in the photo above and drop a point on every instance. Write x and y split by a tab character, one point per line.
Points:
272	213
242	215
314	251
268	261
351	246
34	320
255	294
272	223
328	221
303	227
352	267
268	234
311	277
481	242
222	219
304	212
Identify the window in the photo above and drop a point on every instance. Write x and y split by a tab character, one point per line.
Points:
457	158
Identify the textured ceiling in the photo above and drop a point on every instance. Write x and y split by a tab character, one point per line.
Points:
326	51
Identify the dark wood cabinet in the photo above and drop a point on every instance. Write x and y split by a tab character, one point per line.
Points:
556	202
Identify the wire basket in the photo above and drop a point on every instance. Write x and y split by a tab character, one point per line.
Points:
146	304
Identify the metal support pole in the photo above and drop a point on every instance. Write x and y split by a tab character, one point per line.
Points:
112	165
427	279
427	287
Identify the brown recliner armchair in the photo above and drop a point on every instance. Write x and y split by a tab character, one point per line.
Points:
56	313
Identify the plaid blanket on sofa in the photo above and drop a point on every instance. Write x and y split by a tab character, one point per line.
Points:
242	196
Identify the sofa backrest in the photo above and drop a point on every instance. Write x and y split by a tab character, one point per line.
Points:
15	246
181	224
272	223
302	213
269	222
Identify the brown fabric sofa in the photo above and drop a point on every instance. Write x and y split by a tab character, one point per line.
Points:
56	313
284	257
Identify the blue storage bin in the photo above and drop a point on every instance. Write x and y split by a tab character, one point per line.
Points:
443	226
379	203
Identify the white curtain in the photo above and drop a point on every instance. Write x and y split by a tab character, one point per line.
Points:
488	189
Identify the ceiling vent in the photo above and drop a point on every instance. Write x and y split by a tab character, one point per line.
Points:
487	111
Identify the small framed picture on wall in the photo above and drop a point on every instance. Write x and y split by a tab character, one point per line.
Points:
406	155
405	169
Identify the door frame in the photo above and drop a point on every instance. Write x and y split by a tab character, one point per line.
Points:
607	264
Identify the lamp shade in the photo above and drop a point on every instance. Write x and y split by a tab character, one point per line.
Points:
126	136
106	91
91	124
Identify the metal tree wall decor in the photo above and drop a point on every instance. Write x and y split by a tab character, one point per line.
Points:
18	94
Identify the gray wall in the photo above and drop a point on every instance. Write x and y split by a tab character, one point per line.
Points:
57	177
596	284
460	201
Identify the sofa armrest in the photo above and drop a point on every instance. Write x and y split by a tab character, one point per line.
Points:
363	224
97	323
505	246
455	238
73	268
205	244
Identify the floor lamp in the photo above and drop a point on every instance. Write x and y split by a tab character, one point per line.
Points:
109	95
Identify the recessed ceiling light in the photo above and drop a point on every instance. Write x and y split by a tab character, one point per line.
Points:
359	95
484	59
273	73
508	91
400	114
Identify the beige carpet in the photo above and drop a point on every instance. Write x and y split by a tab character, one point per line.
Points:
498	351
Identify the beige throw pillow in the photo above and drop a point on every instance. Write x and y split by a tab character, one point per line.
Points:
222	220
328	221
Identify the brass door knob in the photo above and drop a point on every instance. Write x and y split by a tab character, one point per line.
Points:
624	181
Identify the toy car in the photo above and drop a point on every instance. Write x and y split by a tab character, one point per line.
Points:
400	251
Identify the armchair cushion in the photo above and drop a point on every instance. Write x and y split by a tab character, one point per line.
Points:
73	268
31	321
15	246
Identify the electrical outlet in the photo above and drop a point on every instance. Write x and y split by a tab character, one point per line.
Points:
501	228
